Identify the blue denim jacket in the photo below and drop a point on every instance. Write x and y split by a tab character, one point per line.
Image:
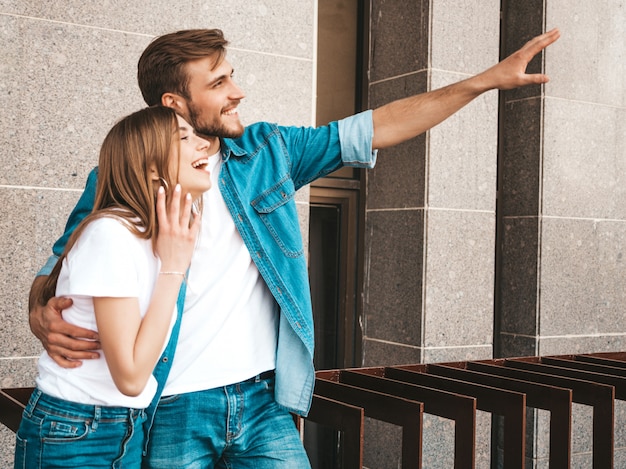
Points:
261	173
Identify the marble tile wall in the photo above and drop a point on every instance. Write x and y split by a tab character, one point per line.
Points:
431	201
556	156
68	71
430	219
562	198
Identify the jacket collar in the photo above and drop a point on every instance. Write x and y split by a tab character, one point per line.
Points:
229	147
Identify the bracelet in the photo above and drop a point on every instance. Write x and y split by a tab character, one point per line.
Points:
182	274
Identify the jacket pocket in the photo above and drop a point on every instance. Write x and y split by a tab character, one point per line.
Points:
276	208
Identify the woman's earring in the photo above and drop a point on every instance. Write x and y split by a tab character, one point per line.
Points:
165	184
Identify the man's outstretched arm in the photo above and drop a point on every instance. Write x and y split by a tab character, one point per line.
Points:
406	118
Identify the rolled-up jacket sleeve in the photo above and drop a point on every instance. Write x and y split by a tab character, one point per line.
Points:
355	135
48	266
81	210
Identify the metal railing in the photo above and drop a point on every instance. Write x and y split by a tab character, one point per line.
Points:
502	387
401	395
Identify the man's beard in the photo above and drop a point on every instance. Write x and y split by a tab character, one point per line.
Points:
211	130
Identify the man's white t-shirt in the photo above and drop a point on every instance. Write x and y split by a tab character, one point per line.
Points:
106	261
230	324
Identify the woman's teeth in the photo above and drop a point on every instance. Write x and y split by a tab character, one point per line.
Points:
200	163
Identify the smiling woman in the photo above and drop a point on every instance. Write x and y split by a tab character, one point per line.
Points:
123	268
191	166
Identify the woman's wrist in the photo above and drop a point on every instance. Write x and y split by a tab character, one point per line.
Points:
173	272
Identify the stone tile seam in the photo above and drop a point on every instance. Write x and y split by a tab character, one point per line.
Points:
598	335
579	101
422	70
270	54
18	358
428	347
558	217
567	100
431	209
40	188
100	28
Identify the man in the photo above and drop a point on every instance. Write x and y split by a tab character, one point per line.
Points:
247	332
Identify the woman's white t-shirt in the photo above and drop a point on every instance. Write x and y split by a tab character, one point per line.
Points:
106	261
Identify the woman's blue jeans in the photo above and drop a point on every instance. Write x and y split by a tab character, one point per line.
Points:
238	426
59	434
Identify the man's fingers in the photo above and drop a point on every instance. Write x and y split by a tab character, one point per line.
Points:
70	335
59	303
538	79
68	345
69	353
69	358
64	362
537	44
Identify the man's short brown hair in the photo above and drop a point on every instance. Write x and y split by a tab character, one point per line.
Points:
161	67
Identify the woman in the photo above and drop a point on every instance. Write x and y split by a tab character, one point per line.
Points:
123	268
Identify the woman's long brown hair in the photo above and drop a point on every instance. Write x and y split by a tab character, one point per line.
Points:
126	188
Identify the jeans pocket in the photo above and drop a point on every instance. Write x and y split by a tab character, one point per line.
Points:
66	430
169	399
19	461
59	429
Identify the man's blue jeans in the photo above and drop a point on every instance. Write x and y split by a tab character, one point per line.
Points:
237	426
57	434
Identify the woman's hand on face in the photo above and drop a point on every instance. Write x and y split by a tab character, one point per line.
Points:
177	234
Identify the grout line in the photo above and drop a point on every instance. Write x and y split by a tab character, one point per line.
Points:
17	358
100	28
418	347
557	217
431	209
40	188
416	72
567	336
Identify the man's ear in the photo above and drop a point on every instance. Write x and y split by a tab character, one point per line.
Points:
174	101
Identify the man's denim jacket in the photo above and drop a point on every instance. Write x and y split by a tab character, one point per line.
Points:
261	173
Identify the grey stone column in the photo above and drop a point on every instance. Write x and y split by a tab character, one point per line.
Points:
562	197
562	203
519	193
430	215
431	201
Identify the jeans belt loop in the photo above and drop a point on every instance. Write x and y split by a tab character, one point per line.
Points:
97	415
32	402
